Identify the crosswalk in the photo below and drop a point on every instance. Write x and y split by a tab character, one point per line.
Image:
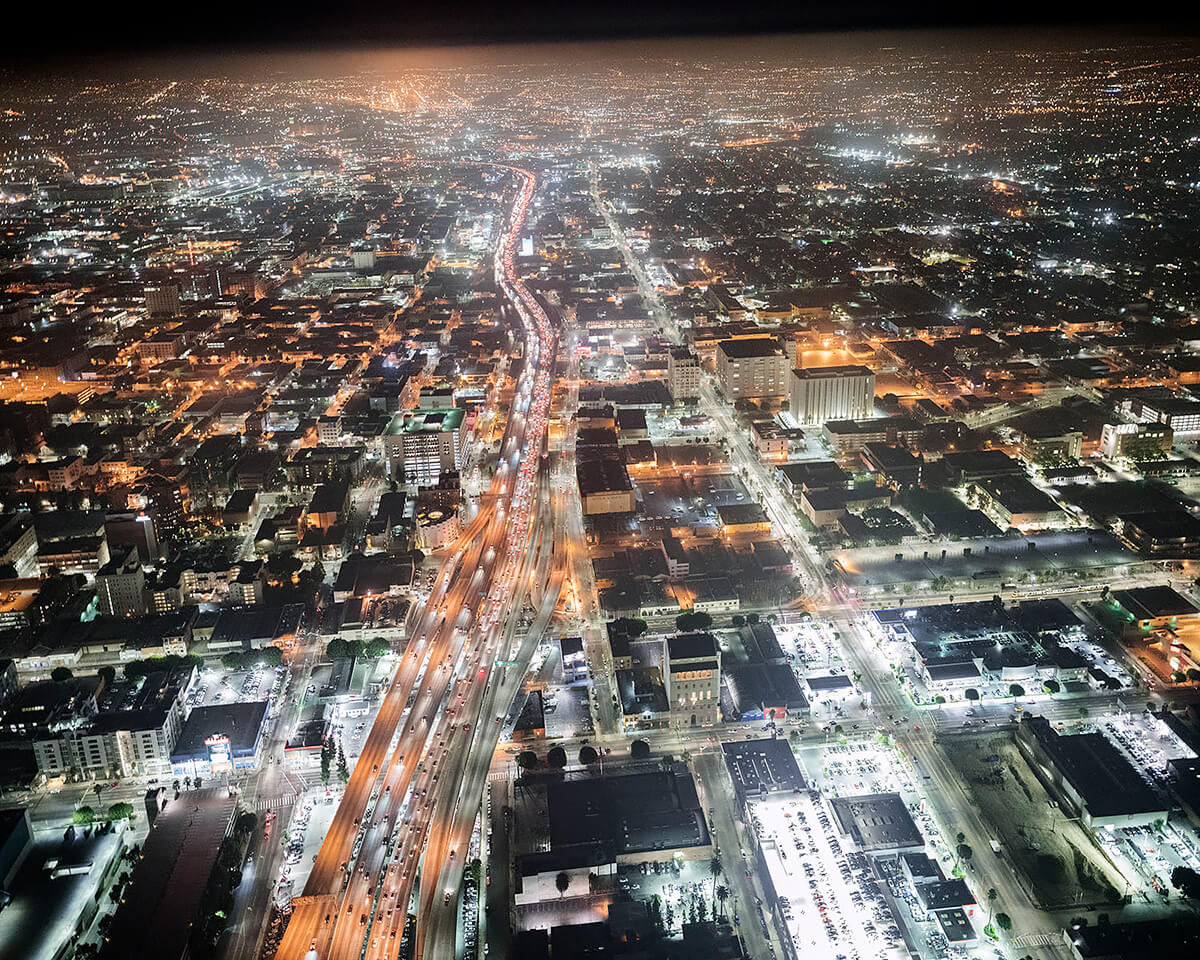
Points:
496	776
1036	940
270	803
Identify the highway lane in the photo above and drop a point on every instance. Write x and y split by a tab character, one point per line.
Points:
436	936
434	837
473	598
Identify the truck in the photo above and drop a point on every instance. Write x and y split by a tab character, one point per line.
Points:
995	847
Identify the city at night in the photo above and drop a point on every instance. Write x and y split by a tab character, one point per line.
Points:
717	489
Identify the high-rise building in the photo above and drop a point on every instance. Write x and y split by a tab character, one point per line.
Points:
693	672
752	368
162	299
683	374
832	393
121	585
421	445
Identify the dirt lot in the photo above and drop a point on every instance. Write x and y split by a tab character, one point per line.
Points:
1060	862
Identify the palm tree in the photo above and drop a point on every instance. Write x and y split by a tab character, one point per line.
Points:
714	867
722	896
991	896
187	783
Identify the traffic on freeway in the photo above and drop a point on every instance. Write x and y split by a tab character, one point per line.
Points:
357	896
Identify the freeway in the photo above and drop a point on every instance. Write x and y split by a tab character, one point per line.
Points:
368	863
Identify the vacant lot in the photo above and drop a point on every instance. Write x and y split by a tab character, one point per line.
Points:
1060	862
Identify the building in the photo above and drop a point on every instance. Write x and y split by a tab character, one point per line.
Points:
1136	441
132	740
531	721
693	675
18	543
1016	502
1162	534
848	437
220	739
422	445
605	487
752	368
1089	776
832	393
644	703
1049	443
761	767
1138	940
162	299
16	839
121	585
683	374
878	823
436	527
593	825
1156	614
762	691
742	518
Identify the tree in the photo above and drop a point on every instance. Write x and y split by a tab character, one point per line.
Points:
1004	921
196	782
752	618
632	627
1051	686
83	815
326	760
60	674
120	811
343	771
738	620
270	656
588	756
639	750
991	898
108	675
1016	690
233	660
722	896
338	649
556	757
561	882
693	620
527	760
1194	675
965	853
971	694
375	648
1186	881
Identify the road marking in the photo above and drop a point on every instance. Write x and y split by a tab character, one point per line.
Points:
271	802
1036	940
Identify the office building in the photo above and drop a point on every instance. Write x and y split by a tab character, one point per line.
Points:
832	393
421	445
683	374
693	678
752	368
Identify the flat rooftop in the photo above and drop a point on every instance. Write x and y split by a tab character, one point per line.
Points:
877	822
762	766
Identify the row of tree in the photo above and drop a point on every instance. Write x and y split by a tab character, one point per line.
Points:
556	757
331	754
118	811
249	659
373	649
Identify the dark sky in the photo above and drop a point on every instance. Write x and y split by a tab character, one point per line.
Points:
50	34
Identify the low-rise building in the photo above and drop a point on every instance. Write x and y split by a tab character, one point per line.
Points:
1089	776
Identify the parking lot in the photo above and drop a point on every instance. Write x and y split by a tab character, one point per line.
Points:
216	686
829	900
310	822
